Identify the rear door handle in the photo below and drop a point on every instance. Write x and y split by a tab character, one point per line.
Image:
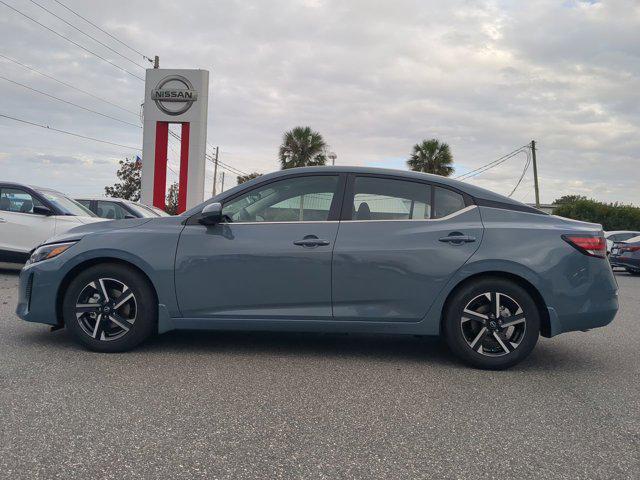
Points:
311	241
457	239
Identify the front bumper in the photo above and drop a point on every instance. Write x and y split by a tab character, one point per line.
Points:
38	289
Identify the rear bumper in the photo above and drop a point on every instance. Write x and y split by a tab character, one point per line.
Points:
625	262
593	315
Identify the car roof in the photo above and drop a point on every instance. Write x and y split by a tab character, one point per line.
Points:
615	232
95	197
631	240
32	187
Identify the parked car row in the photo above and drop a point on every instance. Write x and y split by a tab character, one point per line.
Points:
618	236
30	215
626	254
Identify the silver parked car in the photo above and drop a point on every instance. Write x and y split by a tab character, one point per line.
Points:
119	208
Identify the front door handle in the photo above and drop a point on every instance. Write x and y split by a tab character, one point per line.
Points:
457	239
311	241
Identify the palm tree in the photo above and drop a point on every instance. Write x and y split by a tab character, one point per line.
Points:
302	147
431	156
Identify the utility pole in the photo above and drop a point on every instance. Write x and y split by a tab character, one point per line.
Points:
222	186
215	173
156	62
535	173
332	156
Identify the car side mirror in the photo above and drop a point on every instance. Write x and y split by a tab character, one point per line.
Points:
211	214
42	210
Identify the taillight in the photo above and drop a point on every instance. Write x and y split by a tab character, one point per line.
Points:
630	248
589	245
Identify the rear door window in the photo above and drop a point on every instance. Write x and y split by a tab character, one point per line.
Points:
390	199
378	198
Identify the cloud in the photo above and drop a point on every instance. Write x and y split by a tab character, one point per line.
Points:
373	77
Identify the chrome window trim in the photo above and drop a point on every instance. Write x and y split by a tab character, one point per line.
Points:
451	215
278	223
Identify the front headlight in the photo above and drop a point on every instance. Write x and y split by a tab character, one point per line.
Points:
45	252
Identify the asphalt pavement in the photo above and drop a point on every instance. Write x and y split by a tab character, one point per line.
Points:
267	405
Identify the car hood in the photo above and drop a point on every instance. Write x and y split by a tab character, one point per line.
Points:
88	220
98	227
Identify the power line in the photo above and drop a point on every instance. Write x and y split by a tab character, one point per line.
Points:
229	168
69	85
47	127
490	165
86	34
71	41
524	171
67	102
104	31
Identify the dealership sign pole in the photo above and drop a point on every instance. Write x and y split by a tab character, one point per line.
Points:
180	97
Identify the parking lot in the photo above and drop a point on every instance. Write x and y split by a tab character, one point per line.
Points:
265	405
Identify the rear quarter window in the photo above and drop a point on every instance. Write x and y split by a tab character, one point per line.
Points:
446	202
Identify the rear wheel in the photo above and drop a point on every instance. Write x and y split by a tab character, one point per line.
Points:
110	308
492	323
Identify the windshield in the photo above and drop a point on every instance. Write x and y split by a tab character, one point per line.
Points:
146	211
67	205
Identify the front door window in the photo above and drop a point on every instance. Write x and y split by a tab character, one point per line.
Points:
299	199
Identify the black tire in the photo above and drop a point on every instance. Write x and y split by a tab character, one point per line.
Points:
138	315
462	330
633	271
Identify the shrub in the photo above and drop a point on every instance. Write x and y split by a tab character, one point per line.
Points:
612	216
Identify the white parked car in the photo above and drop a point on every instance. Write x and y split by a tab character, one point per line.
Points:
618	236
30	215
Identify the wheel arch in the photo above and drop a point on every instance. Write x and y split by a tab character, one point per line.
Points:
545	320
71	274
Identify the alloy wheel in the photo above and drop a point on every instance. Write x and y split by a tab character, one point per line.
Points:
106	309
493	324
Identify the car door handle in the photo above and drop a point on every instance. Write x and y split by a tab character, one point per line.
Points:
2	220
310	241
457	239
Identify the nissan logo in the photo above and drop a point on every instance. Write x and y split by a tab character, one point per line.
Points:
174	95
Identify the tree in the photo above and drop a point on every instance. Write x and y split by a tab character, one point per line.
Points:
129	186
431	156
172	199
569	199
302	147
246	178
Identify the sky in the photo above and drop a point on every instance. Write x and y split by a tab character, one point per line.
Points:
373	77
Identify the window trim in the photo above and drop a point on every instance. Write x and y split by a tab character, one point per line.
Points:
334	209
347	202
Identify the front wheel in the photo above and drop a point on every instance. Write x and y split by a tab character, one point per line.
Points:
491	323
110	308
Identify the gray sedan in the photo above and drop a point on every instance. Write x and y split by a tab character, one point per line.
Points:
331	249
